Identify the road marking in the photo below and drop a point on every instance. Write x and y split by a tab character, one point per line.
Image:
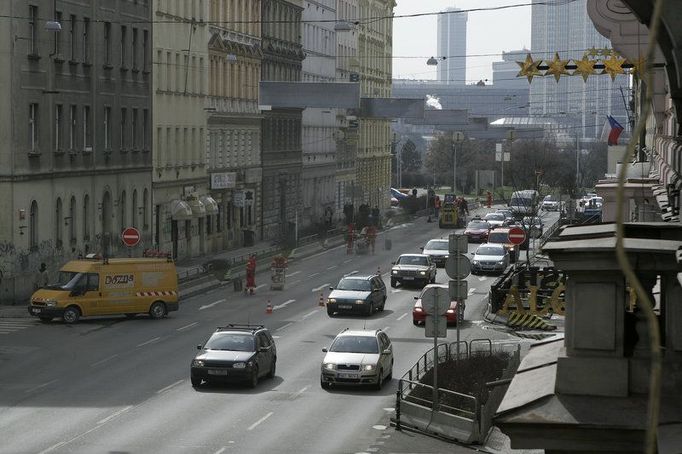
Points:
332	267
284	304
482	278
102	361
112	416
314	274
317	289
351	273
386	328
150	341
309	314
285	326
36	388
221	450
294	273
294	282
402	316
169	387
398	290
212	304
299	392
255	424
471	291
53	447
276	337
182	328
261	286
347	261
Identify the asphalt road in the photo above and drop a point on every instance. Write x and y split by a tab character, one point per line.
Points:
122	386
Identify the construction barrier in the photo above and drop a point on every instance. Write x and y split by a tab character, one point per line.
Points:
268	308
321	301
521	320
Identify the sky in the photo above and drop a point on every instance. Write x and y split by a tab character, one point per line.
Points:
488	32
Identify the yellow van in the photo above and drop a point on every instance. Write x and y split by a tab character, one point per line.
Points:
113	287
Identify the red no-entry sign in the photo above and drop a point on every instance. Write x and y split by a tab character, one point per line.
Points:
517	235
130	236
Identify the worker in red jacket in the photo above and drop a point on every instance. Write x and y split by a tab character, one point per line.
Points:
250	275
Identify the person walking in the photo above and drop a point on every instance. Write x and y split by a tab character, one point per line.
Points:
250	275
436	206
371	237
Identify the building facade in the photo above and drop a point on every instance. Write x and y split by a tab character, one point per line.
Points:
183	209
452	44
75	124
375	53
234	121
505	71
320	126
281	147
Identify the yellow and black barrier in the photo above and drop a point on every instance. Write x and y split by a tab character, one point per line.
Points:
528	321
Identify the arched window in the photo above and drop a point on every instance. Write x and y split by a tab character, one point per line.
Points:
123	211
133	210
33	226
106	213
58	219
86	218
72	220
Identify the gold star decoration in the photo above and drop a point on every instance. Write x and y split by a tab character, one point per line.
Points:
612	66
584	68
638	66
529	68
557	67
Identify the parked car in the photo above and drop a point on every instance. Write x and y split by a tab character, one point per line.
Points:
419	316
363	294
550	203
508	214
490	258
495	219
235	352
358	357
534	225
413	268
437	250
477	230
501	236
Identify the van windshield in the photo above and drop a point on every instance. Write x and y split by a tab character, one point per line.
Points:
66	281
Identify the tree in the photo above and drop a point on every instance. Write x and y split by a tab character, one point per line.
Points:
471	154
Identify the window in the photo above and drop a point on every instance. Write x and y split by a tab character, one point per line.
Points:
124	42
33	226
87	129
124	212
145	129
58	219
133	210
72	38
86	40
92	284
135	43
107	43
124	119
86	218
218	218
32	30
107	131
145	209
133	130
33	127
72	127
145	51
72	221
58	123
58	36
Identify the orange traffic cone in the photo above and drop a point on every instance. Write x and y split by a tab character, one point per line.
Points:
321	302
268	308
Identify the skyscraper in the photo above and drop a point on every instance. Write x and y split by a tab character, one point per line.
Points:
566	29
452	43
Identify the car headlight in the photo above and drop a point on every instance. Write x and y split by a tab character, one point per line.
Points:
359	301
239	365
329	366
501	262
475	262
51	303
423	273
331	300
368	367
197	363
394	271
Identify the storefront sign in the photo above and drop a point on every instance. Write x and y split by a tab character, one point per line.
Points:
224	180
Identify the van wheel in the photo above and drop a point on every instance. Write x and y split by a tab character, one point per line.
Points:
71	315
157	310
273	368
45	319
253	381
196	382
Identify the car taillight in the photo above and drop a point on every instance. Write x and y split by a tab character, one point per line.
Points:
417	309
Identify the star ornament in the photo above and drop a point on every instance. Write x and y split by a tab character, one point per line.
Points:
529	68
584	68
613	66
639	66
557	67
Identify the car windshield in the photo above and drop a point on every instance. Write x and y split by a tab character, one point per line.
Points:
231	341
494	217
355	344
498	237
477	225
437	245
412	260
550	198
489	250
534	221
66	280
353	284
521	201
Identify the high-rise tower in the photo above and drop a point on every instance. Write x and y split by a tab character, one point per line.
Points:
452	44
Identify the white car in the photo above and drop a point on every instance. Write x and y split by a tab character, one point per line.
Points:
495	219
438	250
550	203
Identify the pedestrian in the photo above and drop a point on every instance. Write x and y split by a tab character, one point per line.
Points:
250	275
349	240
436	205
371	237
42	278
465	206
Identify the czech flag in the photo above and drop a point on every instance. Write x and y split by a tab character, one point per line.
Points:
612	130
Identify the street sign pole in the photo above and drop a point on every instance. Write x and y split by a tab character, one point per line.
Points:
458	267
435	369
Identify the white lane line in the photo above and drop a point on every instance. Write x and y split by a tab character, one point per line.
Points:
332	267
386	328
212	304
102	361
255	424
276	337
309	314
182	328
294	282
113	415
293	274
36	388
261	286
52	448
351	273
285	326
221	450
471	291
150	341
398	290
317	289
169	386
283	305
299	392
314	274
347	261
402	316
482	278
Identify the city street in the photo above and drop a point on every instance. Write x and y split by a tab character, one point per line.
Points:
118	385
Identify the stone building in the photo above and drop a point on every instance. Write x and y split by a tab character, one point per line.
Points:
75	125
234	121
184	212
281	143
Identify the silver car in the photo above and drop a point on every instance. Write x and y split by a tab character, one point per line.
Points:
358	357
438	250
417	269
490	257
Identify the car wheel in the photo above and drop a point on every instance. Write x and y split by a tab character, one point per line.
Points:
370	309
389	377
71	315
383	304
157	310
45	319
253	382
394	283
415	322
324	384
196	382
380	380
330	312
273	368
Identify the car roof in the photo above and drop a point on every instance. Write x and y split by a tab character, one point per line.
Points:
437	240
360	277
241	328
492	245
413	255
359	332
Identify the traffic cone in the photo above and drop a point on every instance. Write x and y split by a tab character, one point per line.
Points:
321	302
378	270
268	308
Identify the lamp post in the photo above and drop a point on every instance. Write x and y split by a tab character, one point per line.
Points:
458	137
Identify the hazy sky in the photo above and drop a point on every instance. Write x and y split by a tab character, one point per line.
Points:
488	32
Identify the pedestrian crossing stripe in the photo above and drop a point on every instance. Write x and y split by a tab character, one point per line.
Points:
11	326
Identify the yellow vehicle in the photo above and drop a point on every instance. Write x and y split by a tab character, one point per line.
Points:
113	287
450	213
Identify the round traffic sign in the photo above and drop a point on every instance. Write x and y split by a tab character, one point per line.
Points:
130	236
458	266
517	235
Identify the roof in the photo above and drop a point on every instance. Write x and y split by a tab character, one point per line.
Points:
361	277
413	255
359	332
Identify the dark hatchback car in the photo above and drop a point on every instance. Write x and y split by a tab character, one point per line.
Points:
477	231
235	353
360	294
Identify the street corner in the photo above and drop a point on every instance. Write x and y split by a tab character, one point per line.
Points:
14	311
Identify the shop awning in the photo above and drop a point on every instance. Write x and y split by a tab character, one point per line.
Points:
180	210
210	204
198	208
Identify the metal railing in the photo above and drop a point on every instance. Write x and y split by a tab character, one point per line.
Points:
425	362
450	402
